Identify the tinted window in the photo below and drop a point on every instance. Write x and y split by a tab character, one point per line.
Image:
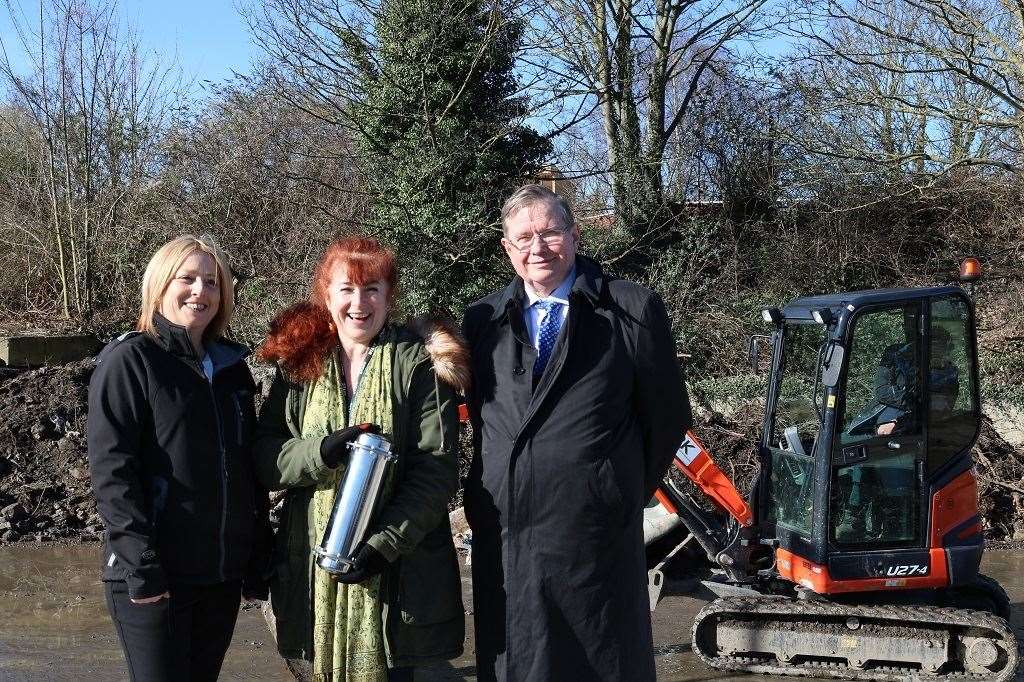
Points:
791	491
795	410
874	500
795	428
876	503
952	411
882	384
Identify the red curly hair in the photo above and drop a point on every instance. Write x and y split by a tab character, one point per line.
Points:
303	334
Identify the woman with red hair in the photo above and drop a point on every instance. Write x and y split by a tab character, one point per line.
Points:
344	367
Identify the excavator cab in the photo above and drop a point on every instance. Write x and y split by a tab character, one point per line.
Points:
872	412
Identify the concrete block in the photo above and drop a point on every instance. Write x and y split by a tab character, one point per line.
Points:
35	351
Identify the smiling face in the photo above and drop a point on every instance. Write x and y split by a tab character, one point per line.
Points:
358	310
192	297
542	265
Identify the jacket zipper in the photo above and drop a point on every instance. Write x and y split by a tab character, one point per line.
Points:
239	418
197	366
223	484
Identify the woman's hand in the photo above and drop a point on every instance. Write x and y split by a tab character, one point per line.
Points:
366	563
152	600
332	448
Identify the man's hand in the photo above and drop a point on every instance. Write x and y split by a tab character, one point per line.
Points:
152	600
332	448
886	428
366	563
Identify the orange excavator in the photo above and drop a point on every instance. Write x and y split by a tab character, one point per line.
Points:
857	553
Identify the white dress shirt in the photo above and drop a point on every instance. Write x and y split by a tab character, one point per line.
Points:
533	315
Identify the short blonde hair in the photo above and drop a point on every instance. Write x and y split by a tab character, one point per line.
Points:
161	270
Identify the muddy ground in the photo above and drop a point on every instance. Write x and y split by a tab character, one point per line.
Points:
56	628
44	473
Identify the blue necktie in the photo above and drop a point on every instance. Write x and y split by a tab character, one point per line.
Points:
547	333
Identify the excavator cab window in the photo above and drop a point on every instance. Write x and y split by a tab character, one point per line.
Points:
795	428
875	496
883	383
953	412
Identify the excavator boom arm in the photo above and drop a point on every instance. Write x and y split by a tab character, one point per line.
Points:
693	460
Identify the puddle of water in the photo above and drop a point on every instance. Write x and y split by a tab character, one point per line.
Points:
54	625
1007	567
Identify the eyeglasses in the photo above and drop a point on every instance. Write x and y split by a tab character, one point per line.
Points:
548	239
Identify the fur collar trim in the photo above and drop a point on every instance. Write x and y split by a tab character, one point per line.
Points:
447	350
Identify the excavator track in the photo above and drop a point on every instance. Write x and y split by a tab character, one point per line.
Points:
782	636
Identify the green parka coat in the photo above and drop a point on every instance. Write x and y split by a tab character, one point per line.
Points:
422	607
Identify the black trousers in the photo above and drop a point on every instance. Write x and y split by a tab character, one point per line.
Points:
180	639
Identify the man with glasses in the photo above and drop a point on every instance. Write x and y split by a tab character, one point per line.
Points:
577	406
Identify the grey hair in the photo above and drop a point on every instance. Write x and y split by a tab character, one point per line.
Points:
531	195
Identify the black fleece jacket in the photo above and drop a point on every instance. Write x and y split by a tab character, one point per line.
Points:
170	455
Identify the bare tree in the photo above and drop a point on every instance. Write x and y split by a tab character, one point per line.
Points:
273	184
96	109
916	88
639	64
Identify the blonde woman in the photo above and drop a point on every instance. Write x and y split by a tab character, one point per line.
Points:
170	428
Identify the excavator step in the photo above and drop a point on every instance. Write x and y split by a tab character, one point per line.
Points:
783	636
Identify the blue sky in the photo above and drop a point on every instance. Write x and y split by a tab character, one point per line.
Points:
209	39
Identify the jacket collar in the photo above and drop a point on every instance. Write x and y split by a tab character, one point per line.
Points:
590	279
175	340
589	284
514	292
173	337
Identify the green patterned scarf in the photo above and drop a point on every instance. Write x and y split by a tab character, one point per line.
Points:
348	635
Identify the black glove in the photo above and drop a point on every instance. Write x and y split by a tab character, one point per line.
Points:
366	563
332	448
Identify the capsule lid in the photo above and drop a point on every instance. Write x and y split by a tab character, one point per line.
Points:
373	441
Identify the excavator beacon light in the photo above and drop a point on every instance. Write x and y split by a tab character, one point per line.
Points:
970	270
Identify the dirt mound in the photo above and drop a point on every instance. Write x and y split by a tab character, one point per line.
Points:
1000	470
732	443
44	473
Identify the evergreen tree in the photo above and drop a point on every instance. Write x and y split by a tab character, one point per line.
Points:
441	129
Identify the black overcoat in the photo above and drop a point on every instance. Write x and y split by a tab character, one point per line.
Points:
562	468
